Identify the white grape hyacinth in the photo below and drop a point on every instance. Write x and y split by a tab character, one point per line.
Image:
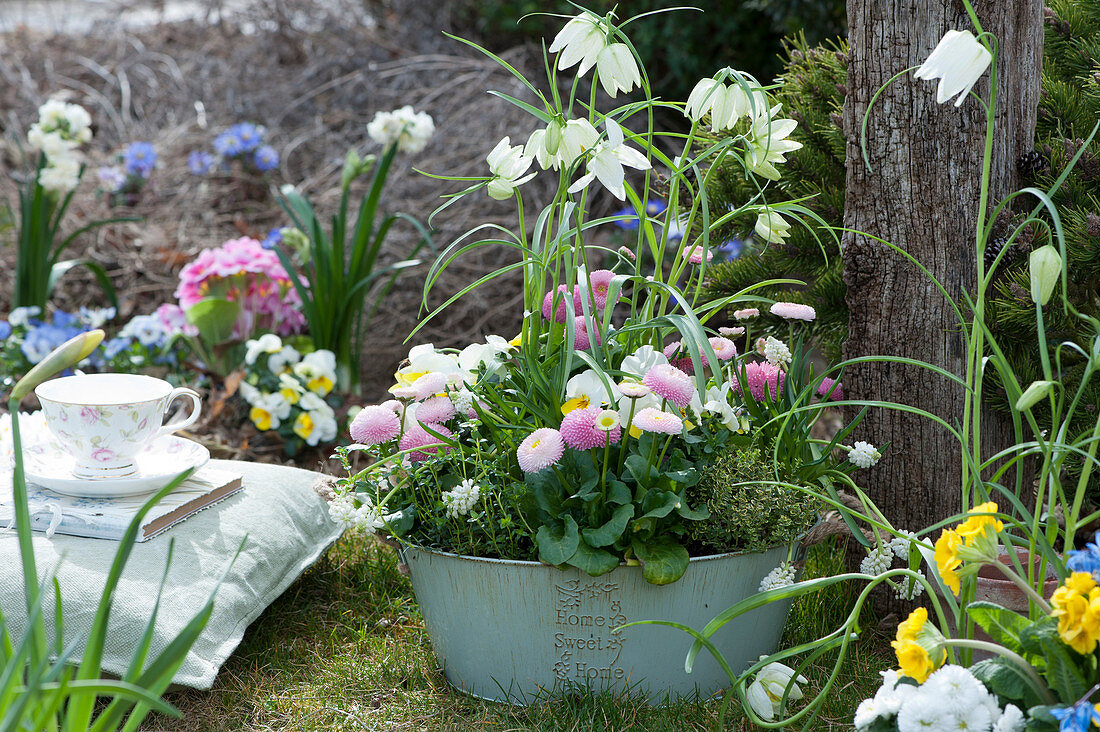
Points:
781	576
864	455
877	561
776	352
462	499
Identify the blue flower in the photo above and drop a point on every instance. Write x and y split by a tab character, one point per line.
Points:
1087	559
147	329
228	145
273	237
249	135
265	158
5	330
655	206
201	162
116	346
730	249
139	159
1076	718
61	319
627	218
38	342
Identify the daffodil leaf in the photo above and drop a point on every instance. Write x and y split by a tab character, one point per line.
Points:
610	531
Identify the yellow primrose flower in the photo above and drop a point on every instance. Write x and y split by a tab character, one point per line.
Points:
1076	604
919	646
913	660
911	626
947	558
976	525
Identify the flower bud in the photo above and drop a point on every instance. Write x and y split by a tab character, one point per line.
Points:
69	353
1033	394
1046	268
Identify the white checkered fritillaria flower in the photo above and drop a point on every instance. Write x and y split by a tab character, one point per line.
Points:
958	61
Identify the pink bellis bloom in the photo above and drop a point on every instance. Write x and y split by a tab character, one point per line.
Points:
724	348
582	338
669	382
374	425
423	443
658	421
540	450
580	431
826	385
436	409
793	311
746	313
762	378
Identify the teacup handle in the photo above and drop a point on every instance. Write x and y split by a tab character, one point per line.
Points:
196	409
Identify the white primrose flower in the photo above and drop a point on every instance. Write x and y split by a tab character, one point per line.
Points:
267	343
958	61
768	142
1011	720
507	164
559	144
771	227
864	455
766	691
21	316
96	317
607	161
866	713
462	499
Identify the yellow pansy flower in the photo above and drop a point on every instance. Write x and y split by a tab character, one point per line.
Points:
261	418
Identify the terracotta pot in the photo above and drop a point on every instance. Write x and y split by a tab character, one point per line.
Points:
993	586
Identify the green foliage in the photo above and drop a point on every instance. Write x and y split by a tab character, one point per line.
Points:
748	510
342	267
684	45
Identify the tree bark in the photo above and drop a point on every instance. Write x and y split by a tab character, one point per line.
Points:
923	196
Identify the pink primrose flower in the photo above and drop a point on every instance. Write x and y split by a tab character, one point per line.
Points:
540	449
793	311
669	382
375	424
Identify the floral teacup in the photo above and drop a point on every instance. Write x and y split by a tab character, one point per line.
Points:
104	420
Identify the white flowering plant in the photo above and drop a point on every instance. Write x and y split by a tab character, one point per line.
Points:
341	275
288	387
55	140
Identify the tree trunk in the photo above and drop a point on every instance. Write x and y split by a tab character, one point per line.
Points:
923	196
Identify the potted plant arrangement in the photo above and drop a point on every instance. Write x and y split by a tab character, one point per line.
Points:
621	458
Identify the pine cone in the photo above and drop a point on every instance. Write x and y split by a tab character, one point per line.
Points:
1030	164
993	248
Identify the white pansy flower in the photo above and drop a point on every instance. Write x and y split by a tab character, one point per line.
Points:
587	389
771	227
507	164
958	61
642	360
423	358
864	455
717	403
249	392
269	410
607	161
267	343
316	426
559	144
283	359
766	691
318	370
768	142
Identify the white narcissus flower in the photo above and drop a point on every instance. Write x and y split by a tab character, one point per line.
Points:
61	175
958	61
768	142
617	69
766	691
507	164
772	227
580	41
607	161
559	144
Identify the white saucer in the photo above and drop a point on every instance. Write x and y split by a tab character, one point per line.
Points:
49	466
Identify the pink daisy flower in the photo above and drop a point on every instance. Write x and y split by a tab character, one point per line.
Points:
582	340
417	437
731	332
746	313
430	384
375	424
669	382
628	253
826	385
762	377
694	254
580	432
598	284
652	419
540	449
562	312
723	347
678	357
437	409
793	311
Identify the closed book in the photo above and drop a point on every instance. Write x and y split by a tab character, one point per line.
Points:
107	518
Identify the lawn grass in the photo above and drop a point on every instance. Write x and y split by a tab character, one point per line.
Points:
345	649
